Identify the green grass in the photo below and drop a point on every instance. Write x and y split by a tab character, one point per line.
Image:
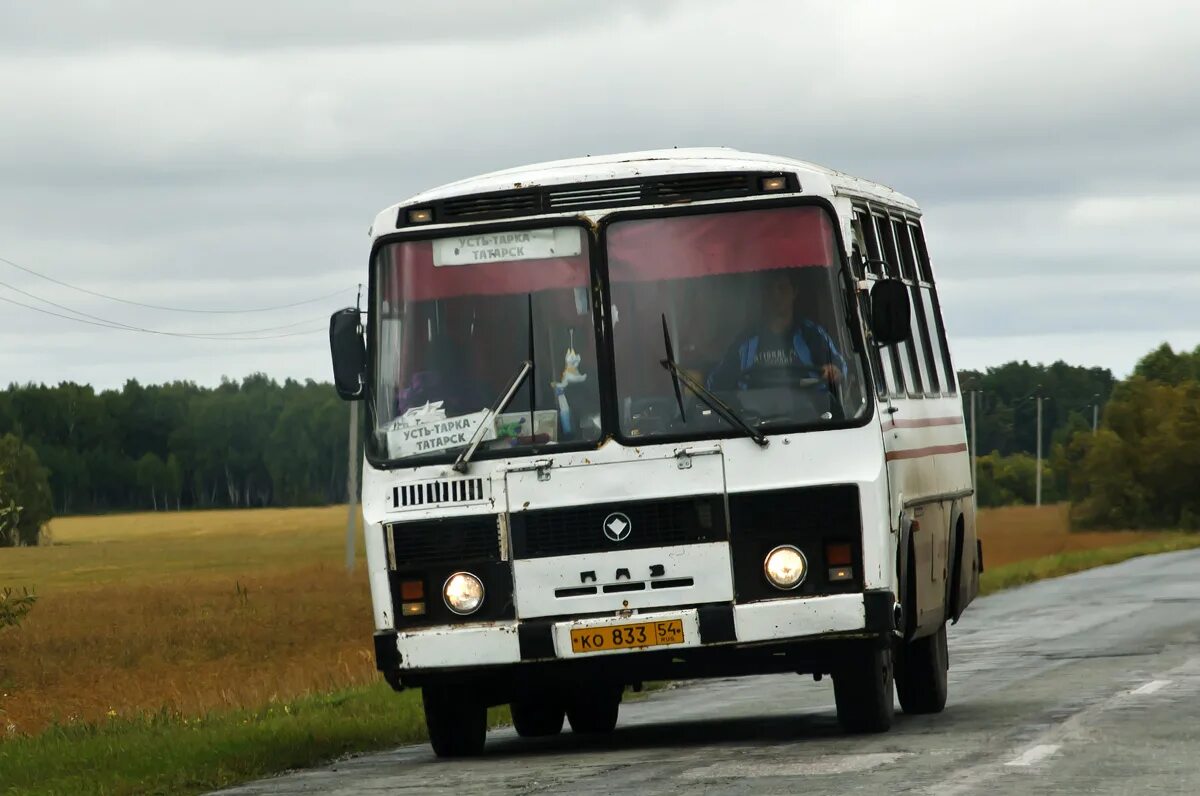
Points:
1021	572
172	754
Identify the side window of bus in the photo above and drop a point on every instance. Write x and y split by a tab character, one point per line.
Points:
933	312
883	361
902	353
860	266
858	248
922	345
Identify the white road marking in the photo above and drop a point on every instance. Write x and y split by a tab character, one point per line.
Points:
1150	687
1034	755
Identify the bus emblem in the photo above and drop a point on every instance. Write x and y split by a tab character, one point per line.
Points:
617	527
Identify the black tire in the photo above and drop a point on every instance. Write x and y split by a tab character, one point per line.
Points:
537	716
595	712
864	689
921	668
457	721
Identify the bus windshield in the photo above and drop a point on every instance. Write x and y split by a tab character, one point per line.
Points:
752	303
453	319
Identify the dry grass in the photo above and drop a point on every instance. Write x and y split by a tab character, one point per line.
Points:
142	548
209	611
189	612
1022	533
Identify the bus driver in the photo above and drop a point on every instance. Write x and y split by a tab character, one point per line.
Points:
778	349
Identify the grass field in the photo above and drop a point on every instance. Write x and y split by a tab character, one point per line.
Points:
237	641
187	612
1022	544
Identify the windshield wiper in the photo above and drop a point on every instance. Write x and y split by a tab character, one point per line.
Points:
464	458
704	394
460	464
671	358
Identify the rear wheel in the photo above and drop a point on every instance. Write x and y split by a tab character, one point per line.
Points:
921	669
596	711
535	716
864	690
457	721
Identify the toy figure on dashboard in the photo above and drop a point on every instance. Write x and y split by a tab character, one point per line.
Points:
570	375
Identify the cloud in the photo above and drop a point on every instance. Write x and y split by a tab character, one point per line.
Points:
225	154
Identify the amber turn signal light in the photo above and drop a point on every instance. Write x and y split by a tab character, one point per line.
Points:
412	590
838	554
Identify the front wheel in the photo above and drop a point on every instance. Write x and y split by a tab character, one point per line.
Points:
921	673
595	712
457	721
864	689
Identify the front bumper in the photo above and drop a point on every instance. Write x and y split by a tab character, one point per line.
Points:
872	613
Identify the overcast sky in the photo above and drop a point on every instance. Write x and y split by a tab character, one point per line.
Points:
225	155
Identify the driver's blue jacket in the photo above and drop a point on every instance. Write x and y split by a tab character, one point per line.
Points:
813	346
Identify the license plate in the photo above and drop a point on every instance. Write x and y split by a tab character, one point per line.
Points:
631	636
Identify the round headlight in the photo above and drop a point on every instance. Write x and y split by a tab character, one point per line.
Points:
463	593
785	567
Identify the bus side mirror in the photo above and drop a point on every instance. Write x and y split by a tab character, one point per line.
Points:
890	310
349	354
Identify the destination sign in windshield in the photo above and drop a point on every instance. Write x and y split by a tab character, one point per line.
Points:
493	247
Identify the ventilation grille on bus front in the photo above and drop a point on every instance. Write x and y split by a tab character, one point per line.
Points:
523	203
446	540
582	198
706	185
669	189
428	494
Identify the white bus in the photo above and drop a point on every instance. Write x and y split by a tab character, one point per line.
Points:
651	416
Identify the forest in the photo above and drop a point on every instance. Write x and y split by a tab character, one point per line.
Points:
251	443
259	442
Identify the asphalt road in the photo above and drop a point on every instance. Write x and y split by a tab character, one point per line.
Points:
1085	684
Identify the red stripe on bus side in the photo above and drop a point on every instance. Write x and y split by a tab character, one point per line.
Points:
917	453
923	422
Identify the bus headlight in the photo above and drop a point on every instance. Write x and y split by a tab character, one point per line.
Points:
463	593
785	567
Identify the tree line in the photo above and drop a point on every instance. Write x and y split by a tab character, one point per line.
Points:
1140	468
1006	401
258	442
1006	432
250	443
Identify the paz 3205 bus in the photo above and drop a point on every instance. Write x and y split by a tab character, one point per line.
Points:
652	416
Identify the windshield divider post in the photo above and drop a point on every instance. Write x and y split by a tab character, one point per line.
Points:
532	371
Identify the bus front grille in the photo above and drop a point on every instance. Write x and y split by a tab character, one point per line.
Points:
651	523
449	540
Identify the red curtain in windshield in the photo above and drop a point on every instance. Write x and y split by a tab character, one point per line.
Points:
410	275
657	249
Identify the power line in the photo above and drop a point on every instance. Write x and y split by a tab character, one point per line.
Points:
130	327
166	308
125	328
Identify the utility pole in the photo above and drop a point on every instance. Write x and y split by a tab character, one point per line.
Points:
352	488
1095	415
1039	450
